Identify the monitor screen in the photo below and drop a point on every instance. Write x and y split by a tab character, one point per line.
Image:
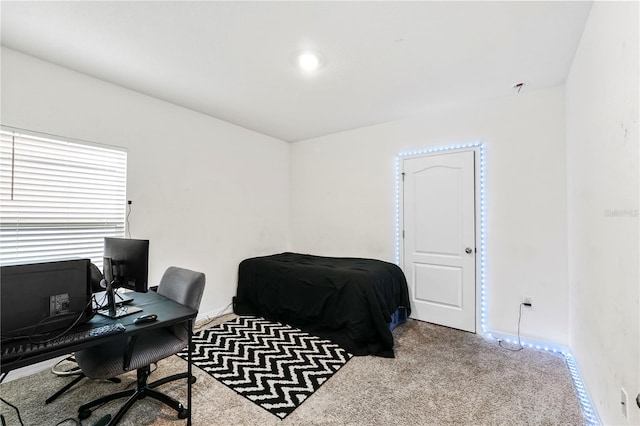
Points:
43	297
129	260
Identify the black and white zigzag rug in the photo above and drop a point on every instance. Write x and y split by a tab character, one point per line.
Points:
274	365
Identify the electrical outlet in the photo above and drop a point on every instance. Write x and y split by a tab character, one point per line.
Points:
624	402
528	301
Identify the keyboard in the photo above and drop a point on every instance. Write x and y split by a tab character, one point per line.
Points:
22	348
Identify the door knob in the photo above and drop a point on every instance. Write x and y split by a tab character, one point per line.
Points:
468	250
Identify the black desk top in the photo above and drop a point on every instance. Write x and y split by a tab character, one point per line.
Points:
168	311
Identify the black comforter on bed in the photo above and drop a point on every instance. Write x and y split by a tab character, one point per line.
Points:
347	300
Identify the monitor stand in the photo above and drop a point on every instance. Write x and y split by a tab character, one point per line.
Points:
122	298
120	311
113	310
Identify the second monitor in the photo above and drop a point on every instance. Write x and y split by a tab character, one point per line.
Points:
126	265
129	263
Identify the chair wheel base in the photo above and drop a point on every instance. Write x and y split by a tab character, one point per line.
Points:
84	414
183	414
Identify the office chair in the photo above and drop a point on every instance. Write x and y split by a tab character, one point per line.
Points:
96	279
181	285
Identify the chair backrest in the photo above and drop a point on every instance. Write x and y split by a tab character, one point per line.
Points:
96	278
182	285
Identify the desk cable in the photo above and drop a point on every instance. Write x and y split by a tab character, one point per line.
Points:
2	420
520	347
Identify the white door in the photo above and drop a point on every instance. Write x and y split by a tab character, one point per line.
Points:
439	238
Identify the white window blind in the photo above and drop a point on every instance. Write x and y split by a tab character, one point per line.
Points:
58	198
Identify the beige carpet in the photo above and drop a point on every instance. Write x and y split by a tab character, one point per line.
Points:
439	376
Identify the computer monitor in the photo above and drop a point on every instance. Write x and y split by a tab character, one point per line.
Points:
40	298
129	260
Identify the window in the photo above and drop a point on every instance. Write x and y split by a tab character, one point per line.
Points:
58	198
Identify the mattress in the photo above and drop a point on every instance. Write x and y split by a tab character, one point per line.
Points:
354	302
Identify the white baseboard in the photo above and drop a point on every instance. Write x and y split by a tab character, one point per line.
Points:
215	313
528	342
588	409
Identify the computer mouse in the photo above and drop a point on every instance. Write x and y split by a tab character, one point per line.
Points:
145	318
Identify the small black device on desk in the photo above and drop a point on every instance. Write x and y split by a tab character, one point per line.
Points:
143	319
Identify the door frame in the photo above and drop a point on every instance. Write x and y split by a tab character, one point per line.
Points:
480	218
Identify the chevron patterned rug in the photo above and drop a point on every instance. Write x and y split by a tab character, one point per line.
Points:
273	365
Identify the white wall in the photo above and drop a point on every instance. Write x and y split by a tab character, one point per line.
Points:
602	177
342	199
206	193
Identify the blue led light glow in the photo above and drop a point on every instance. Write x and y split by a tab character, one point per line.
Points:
397	211
585	403
478	147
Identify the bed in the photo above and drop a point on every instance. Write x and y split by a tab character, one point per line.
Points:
352	301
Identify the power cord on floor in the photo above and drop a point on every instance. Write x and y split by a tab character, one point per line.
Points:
15	408
520	347
73	371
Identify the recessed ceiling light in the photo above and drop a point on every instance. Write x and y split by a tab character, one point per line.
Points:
308	61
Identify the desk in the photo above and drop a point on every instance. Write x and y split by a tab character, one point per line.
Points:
169	313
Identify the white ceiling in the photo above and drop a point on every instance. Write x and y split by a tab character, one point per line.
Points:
382	61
